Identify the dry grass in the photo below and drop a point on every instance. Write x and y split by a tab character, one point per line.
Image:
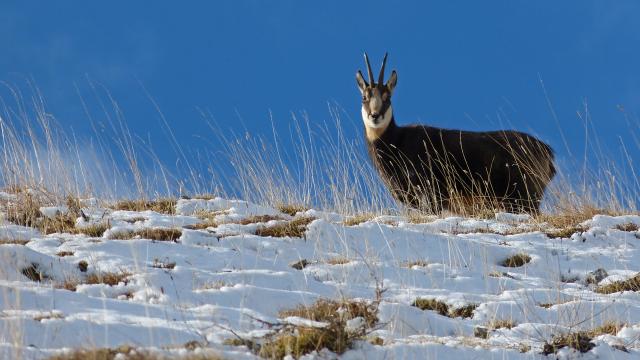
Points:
516	260
416	217
156	234
159	264
571	217
108	278
632	284
294	228
291	209
358	219
627	227
330	310
259	219
443	309
338	260
433	305
34	273
209	220
501	324
499	274
463	312
412	263
565	232
13	241
581	340
93	230
163	206
215	285
25	211
64	253
297	341
126	352
203	225
135	219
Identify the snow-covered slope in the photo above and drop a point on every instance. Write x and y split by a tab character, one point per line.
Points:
224	281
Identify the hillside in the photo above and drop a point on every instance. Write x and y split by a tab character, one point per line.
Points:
217	278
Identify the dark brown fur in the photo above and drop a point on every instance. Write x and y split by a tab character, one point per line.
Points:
436	169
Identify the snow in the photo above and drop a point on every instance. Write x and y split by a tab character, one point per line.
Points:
226	281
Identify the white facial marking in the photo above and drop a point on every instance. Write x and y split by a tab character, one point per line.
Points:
382	123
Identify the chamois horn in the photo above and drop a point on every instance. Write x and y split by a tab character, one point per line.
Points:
381	76
369	72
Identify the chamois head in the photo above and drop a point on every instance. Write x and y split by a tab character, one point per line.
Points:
376	98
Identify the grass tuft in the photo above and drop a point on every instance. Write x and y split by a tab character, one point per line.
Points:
501	324
167	265
412	263
358	219
13	241
93	230
581	340
125	352
297	341
632	284
157	234
163	206
443	309
338	260
25	212
259	219
291	209
565	232
627	227
294	228
34	273
108	278
433	305
578	341
516	260
463	312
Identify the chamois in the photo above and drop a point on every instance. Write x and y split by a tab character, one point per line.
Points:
434	169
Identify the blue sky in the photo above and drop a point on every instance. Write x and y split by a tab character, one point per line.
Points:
461	64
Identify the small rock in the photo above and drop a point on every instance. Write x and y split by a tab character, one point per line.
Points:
481	332
299	265
620	347
594	277
83	266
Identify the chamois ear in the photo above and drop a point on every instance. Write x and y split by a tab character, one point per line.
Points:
393	80
362	83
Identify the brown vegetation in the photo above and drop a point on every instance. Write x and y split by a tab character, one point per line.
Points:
294	228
